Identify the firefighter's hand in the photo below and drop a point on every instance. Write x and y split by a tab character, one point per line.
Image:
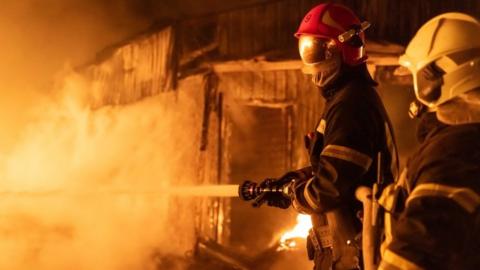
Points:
280	199
274	199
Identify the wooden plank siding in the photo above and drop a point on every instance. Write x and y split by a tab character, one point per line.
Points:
269	26
251	31
141	68
265	86
146	65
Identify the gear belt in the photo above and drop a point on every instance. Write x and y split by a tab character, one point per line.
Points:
321	238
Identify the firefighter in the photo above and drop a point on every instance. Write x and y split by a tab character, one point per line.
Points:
436	204
344	145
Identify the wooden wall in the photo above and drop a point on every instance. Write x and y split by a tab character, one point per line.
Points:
139	68
398	20
269	26
147	64
250	31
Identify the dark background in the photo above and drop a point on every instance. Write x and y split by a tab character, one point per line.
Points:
392	20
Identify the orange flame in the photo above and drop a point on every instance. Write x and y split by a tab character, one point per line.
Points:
304	224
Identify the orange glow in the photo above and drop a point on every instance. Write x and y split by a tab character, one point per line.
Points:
304	224
57	208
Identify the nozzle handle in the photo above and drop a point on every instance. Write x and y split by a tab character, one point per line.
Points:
259	201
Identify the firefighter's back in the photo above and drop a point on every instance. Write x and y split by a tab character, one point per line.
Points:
440	227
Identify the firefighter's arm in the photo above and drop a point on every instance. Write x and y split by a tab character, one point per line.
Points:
437	220
350	135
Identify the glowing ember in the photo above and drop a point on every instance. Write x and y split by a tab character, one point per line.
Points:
304	223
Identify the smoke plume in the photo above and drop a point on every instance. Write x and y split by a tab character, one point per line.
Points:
58	205
40	36
60	161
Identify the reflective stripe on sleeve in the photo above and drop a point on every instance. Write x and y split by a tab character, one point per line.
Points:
465	197
393	261
316	194
347	154
308	196
321	126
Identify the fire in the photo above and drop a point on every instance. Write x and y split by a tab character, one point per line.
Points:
304	224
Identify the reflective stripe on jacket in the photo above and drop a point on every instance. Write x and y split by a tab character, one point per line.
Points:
440	225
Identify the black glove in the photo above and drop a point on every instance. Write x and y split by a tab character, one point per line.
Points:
274	199
281	199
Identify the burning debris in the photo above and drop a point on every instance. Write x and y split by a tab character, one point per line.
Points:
290	239
290	247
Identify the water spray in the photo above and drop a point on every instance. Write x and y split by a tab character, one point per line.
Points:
190	191
247	191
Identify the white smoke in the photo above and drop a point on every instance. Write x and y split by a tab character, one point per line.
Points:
56	206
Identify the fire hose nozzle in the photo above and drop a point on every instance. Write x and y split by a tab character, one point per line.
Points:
249	190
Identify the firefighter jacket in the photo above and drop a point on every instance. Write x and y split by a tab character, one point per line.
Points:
438	225
343	150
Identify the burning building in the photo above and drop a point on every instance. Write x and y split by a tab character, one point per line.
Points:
204	100
252	104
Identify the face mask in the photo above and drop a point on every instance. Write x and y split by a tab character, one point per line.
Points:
327	74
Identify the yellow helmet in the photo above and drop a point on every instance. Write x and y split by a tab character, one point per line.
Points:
444	58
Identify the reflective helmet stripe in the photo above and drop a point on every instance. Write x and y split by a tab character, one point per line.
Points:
328	20
465	197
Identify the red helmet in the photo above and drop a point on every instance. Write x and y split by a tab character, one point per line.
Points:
338	23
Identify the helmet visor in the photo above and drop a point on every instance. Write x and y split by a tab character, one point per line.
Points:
428	82
313	49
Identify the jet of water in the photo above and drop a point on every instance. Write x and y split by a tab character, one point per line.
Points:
190	191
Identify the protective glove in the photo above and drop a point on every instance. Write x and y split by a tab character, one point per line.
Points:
281	199
274	199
